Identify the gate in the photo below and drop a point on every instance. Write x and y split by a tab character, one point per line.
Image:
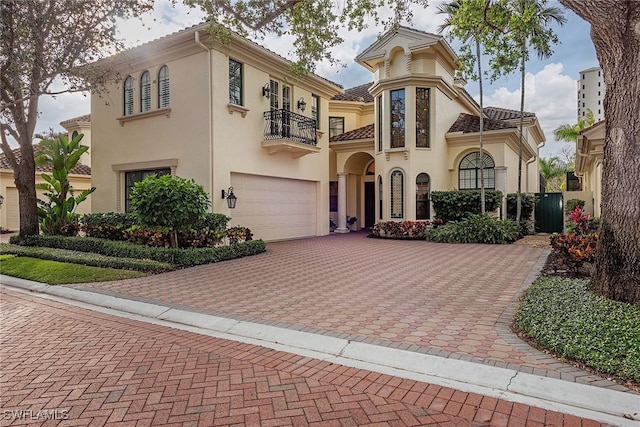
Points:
549	214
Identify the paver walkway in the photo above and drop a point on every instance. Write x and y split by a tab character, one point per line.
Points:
64	366
443	299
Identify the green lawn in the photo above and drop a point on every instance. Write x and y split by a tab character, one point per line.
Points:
59	273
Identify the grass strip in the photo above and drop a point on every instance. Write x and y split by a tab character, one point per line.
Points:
60	273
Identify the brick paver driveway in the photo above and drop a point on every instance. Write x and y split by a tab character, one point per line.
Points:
444	299
65	366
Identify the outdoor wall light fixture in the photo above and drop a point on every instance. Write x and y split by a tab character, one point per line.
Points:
231	198
266	90
301	104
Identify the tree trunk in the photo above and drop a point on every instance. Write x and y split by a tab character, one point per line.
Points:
25	180
479	58
615	31
519	192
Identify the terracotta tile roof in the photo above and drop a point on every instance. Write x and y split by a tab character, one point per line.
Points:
358	93
79	169
467	123
83	119
365	132
497	113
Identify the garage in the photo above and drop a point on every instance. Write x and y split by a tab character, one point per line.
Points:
275	208
13	211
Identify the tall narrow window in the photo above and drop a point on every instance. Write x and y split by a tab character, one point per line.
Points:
235	82
423	139
422	197
128	96
163	87
333	196
397	118
380	205
145	92
397	195
469	171
274	105
336	126
286	111
74	134
315	109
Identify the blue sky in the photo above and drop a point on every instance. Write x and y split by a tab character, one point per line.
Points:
550	84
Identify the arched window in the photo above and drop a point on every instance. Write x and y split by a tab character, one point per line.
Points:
128	96
145	92
380	210
163	87
397	195
422	196
371	169
469	171
74	134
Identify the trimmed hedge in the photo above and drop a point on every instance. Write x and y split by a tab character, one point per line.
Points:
476	229
206	232
85	258
400	230
177	257
461	204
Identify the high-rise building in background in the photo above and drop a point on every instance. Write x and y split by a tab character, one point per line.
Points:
591	93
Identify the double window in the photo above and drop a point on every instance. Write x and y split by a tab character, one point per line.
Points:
130	179
235	82
336	126
470	168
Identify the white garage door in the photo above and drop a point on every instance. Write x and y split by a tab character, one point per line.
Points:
274	208
13	210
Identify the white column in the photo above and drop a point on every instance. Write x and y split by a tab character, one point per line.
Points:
501	184
342	203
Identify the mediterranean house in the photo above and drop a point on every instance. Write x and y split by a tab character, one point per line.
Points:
299	151
80	176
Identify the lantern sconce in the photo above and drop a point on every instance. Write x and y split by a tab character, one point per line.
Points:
231	198
301	104
266	90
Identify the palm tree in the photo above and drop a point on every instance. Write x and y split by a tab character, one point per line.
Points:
569	133
465	20
529	25
552	170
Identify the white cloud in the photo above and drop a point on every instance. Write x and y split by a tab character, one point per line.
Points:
550	94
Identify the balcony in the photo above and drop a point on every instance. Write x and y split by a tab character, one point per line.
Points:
289	132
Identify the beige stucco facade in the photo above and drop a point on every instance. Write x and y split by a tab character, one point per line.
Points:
220	130
410	61
589	156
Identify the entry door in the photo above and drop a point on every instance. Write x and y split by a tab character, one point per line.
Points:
369	204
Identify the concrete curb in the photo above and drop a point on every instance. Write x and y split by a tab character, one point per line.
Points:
603	405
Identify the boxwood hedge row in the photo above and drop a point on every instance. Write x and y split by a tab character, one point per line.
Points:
177	257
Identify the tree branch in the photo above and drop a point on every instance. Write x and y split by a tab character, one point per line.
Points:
6	149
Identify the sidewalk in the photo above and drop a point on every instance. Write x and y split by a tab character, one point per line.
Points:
82	367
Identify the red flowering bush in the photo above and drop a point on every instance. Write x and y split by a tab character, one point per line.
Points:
580	222
572	251
400	229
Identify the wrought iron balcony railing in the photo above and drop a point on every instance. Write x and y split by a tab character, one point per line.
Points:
285	125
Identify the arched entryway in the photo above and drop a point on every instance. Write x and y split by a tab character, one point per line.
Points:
359	171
